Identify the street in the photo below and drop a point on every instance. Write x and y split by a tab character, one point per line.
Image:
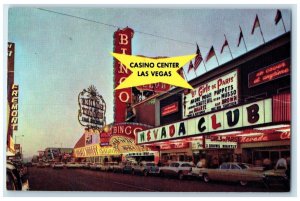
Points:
48	179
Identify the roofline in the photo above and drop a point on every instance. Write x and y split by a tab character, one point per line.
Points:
232	64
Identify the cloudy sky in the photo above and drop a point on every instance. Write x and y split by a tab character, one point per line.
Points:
58	55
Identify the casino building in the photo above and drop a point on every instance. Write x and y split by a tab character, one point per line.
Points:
240	111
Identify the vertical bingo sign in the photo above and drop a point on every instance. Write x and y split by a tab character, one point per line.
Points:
122	45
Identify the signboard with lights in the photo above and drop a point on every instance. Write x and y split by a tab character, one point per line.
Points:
169	109
214	95
92	108
269	73
256	113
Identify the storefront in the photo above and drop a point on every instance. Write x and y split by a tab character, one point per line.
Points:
239	111
113	143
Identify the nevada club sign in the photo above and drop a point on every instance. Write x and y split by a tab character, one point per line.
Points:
246	115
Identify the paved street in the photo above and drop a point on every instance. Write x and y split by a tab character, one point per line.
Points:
48	179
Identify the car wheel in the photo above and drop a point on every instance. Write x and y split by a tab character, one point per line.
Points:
243	183
180	176
145	173
206	178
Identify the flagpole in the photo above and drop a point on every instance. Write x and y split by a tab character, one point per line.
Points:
217	59
261	33
204	65
283	24
243	39
228	47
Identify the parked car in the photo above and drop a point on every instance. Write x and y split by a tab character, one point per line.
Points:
145	168
234	172
73	165
94	166
104	166
123	167
278	175
87	165
196	170
111	165
58	165
40	165
16	176
179	169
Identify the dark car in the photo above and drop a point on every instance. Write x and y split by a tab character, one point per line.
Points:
16	176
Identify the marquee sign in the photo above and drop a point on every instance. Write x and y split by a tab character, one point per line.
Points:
269	73
211	96
256	113
14	107
129	130
119	145
122	45
92	108
266	137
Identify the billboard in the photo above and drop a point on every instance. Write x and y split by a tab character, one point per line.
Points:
214	95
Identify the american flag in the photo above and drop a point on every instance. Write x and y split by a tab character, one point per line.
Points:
240	37
198	58
256	24
278	16
190	66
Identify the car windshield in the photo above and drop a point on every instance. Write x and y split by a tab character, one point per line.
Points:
243	166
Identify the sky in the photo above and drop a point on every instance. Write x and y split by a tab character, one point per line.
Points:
57	56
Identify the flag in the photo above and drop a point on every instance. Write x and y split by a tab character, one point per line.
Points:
224	45
240	37
256	24
210	54
190	66
278	16
181	73
198	58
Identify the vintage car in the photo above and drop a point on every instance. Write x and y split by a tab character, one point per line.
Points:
279	175
47	164
144	168
179	169
58	165
111	165
16	176
40	165
95	166
234	172
123	167
196	169
73	165
87	165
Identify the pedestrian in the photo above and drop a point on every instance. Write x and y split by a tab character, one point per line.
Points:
267	164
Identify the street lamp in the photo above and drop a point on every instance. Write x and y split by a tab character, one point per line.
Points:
16	138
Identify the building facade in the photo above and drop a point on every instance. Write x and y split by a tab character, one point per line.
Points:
239	111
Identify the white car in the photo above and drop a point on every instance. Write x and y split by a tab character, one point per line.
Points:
73	165
58	165
95	166
179	169
145	168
